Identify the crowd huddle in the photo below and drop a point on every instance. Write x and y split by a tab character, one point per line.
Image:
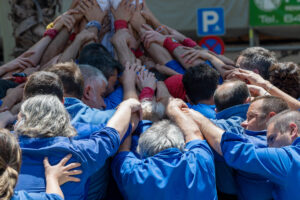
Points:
112	104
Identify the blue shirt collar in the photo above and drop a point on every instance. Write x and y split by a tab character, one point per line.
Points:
296	142
255	133
238	110
70	101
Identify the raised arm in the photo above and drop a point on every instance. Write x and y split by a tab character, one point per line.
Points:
210	131
184	121
256	79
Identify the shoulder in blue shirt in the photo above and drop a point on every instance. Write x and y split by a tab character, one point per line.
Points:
280	165
23	195
80	112
92	153
157	177
206	110
114	99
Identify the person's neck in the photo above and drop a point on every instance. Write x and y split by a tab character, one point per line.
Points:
207	102
69	95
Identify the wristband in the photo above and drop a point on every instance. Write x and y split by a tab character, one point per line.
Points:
51	33
72	37
138	52
93	23
171	44
188	42
120	24
49	26
147	93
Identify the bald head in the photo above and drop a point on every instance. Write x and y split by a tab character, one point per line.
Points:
230	94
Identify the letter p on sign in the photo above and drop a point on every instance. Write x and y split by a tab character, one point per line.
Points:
211	21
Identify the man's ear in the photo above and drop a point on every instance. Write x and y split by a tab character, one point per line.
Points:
294	130
271	114
87	92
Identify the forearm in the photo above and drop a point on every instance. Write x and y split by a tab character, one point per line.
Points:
293	103
189	129
120	120
38	49
211	132
52	187
56	46
166	70
126	144
71	52
159	54
177	53
123	52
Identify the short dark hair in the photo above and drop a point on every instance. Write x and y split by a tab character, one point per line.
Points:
98	56
71	77
43	83
286	76
234	94
200	82
272	104
258	58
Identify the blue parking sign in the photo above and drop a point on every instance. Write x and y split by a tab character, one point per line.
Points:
211	21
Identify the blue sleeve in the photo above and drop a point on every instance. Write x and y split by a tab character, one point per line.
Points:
114	99
124	169
97	149
201	148
239	153
23	195
176	66
85	130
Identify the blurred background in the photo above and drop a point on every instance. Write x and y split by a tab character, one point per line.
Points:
273	24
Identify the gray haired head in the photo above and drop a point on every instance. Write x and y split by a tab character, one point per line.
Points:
44	116
160	136
91	73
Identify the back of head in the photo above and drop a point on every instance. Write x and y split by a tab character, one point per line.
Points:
200	82
71	77
97	56
10	164
152	110
44	116
272	104
282	120
286	76
91	73
43	82
160	136
231	93
257	58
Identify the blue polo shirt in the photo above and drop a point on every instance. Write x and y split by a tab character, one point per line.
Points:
80	112
92	153
23	195
170	174
114	99
279	165
207	110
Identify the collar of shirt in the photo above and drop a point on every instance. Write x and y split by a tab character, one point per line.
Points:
255	133
296	142
238	110
68	101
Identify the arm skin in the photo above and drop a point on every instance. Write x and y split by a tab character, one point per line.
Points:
211	132
73	50
184	122
120	41
256	79
122	117
56	46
